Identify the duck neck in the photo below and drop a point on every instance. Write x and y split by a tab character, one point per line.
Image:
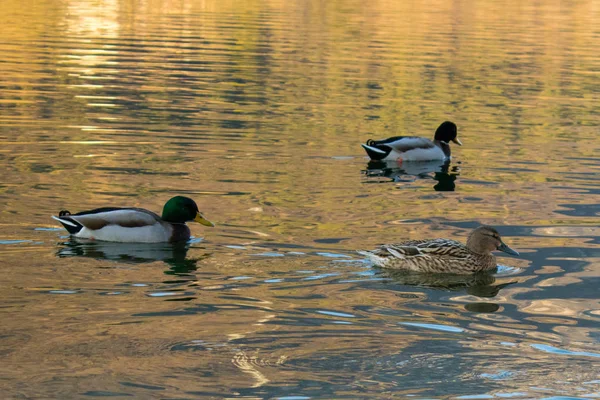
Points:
486	261
181	232
477	247
444	146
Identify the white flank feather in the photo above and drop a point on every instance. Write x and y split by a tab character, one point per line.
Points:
410	141
117	216
419	154
114	233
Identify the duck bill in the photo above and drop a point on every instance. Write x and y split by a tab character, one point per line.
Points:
201	220
458	142
503	247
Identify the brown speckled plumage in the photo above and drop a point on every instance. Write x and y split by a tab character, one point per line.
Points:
442	255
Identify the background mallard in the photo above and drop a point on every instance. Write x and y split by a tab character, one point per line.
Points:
413	148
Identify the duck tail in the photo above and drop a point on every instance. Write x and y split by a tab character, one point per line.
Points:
70	224
375	259
374	153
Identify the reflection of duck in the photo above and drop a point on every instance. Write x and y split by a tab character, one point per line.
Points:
479	284
131	224
395	172
445	180
412	148
443	255
442	281
173	254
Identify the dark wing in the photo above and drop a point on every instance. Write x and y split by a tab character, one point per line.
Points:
434	247
101	217
375	143
99	210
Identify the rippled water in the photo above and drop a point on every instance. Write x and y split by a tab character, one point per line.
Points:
256	110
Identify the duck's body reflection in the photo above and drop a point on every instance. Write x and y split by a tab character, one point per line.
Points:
173	254
397	172
480	284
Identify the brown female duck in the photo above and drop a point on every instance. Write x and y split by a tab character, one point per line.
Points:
443	255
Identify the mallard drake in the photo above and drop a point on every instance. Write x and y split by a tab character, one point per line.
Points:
443	255
132	224
413	148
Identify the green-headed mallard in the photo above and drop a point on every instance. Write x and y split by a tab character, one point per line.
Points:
131	224
443	255
413	148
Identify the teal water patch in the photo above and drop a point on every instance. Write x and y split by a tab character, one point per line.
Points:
498	376
163	294
321	276
349	261
240	278
362	280
369	272
436	327
336	314
551	349
507	270
63	291
333	255
269	254
14	241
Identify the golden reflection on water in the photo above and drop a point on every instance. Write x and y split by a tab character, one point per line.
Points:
256	110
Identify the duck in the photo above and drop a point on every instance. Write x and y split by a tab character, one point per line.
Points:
413	148
443	255
135	225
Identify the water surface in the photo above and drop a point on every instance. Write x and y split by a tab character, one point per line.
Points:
256	110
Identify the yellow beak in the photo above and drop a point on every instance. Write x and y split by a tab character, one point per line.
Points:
200	219
455	140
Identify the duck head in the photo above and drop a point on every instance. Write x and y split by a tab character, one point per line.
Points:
182	209
486	239
447	132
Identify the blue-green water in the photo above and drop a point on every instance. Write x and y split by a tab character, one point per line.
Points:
256	110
